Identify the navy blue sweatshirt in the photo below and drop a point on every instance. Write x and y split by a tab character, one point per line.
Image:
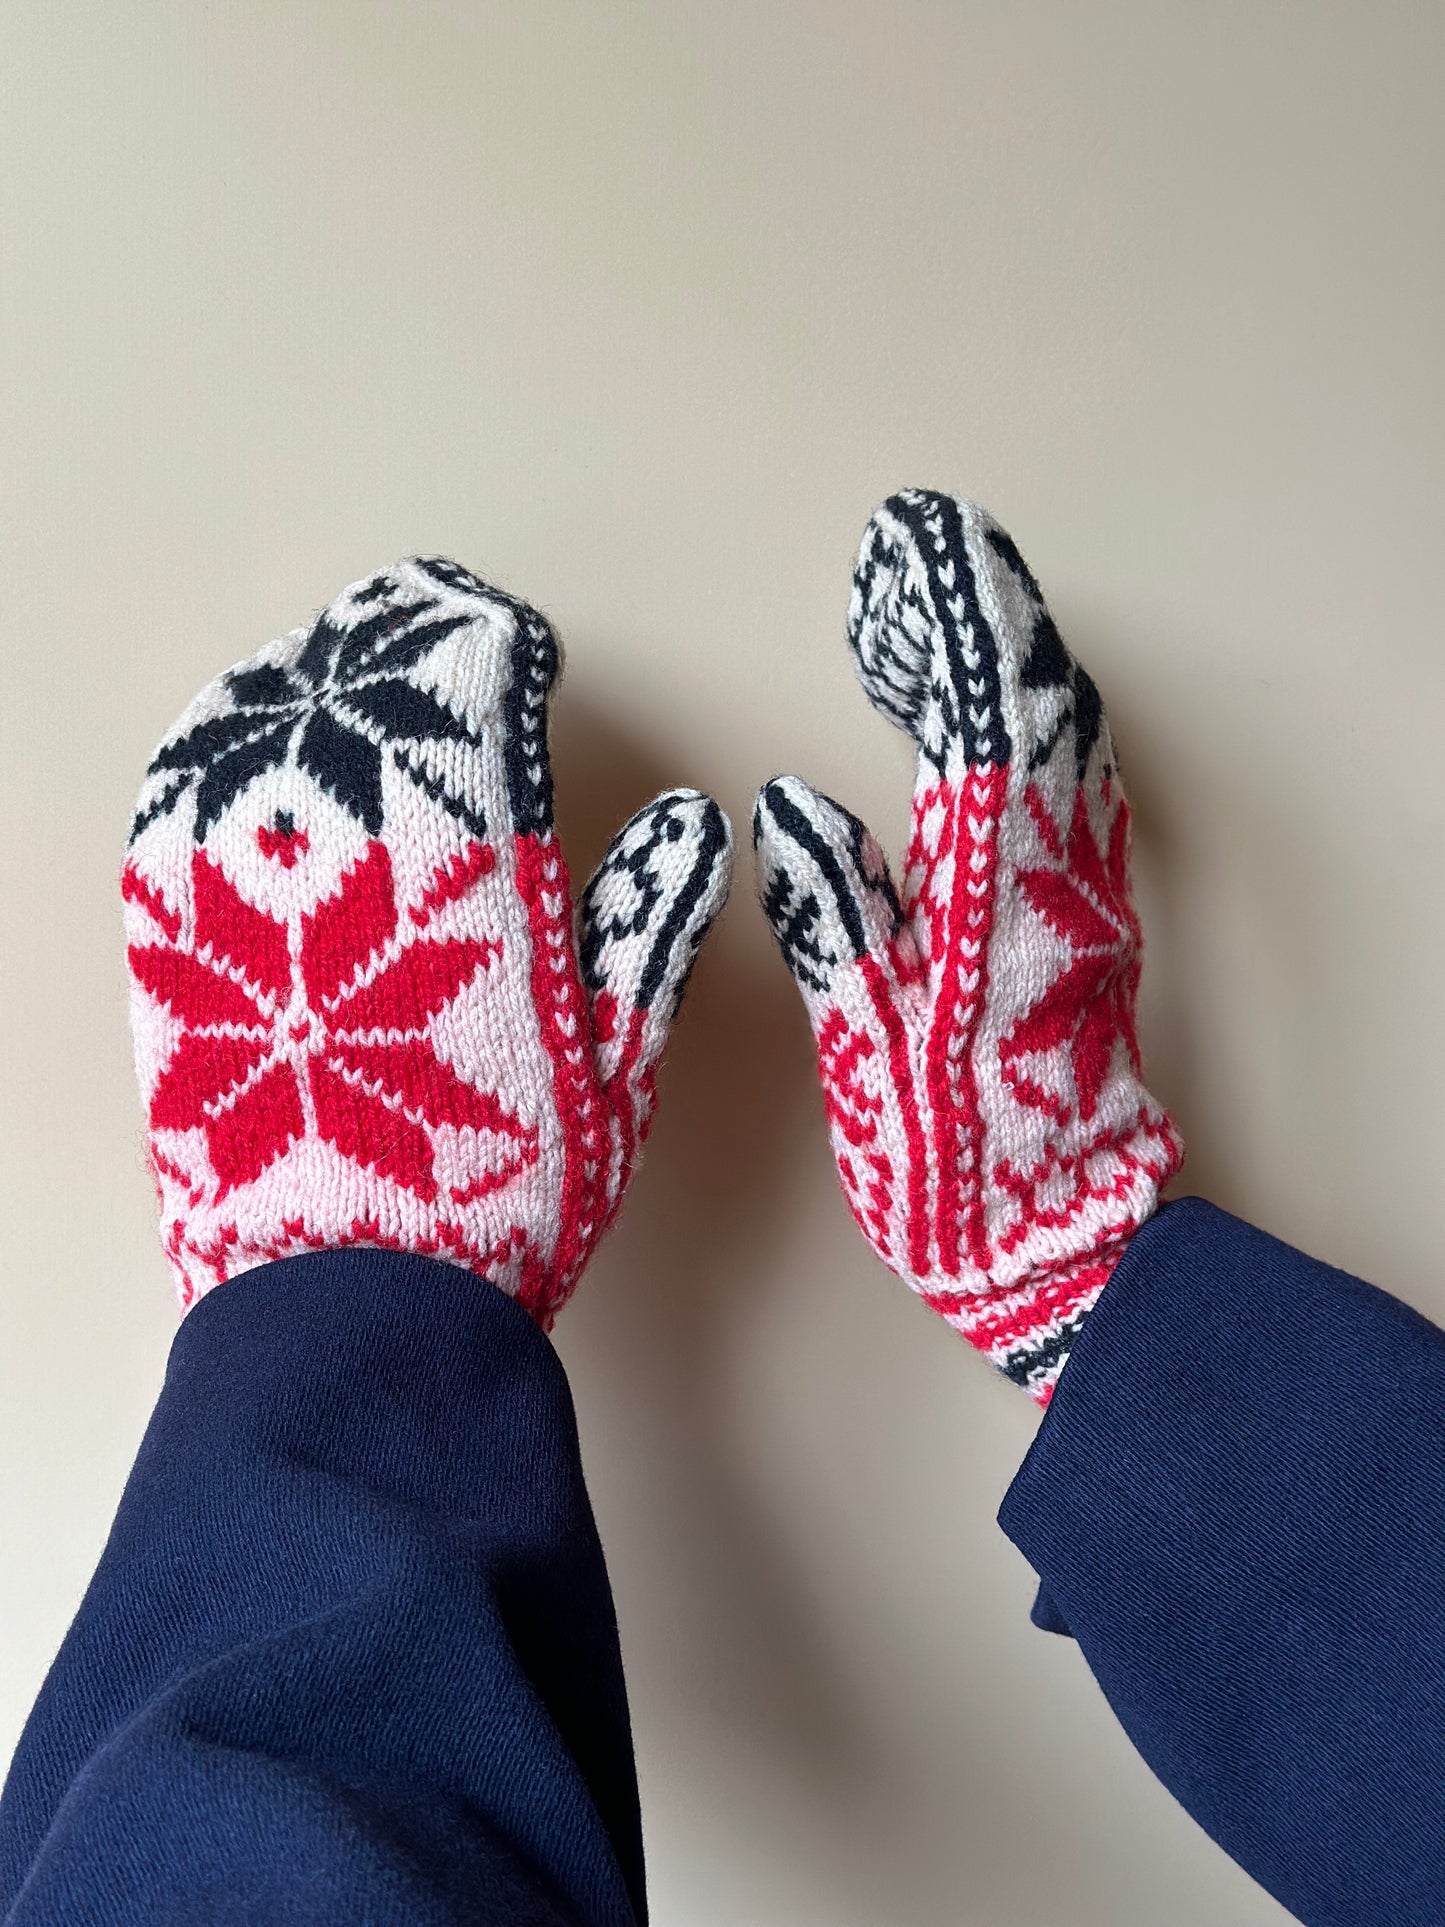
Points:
350	1654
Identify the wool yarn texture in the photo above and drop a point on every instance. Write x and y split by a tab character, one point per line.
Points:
976	1037
362	1008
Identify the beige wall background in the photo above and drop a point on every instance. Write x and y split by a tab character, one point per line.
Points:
639	309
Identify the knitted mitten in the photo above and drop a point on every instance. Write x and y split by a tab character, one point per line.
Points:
976	1043
359	1016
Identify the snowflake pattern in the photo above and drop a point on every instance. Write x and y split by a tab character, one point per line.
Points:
329	1035
1089	1006
338	709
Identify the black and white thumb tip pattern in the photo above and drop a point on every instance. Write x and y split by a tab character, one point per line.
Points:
891	623
943	612
823	881
652	900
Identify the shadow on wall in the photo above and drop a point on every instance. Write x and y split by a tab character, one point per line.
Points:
720	1613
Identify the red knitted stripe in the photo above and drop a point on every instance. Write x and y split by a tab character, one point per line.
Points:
544	887
971	831
986	792
1048	1306
364	1230
901	1071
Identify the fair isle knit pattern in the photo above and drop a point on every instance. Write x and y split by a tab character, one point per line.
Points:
359	1012
976	1040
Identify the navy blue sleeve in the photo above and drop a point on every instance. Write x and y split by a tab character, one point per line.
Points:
350	1653
1236	1504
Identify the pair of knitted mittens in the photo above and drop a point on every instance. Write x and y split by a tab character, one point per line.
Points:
365	1013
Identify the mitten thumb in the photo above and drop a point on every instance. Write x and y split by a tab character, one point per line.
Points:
641	921
826	892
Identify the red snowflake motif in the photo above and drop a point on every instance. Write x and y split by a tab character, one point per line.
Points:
328	1034
1090	1005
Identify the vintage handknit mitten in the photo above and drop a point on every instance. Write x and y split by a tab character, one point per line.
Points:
976	1042
360	1016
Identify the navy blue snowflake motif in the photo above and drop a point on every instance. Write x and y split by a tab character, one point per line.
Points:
339	708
